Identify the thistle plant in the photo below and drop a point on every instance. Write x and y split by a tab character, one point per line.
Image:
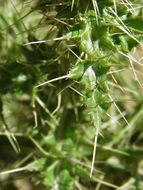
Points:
101	34
67	63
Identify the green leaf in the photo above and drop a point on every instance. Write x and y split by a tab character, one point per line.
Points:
49	139
81	172
105	103
124	44
36	165
88	80
90	100
135	22
103	83
65	181
96	117
77	71
101	67
68	146
49	176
